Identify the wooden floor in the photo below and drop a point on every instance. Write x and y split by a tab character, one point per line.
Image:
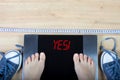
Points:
88	14
56	14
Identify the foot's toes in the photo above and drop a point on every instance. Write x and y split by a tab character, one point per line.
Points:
85	58
33	57
28	60
36	56
92	63
76	58
42	57
81	57
89	60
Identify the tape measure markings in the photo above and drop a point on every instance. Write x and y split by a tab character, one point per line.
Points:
82	31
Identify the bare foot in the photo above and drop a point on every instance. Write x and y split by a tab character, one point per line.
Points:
84	67
34	66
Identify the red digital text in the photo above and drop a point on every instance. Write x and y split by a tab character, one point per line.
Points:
61	45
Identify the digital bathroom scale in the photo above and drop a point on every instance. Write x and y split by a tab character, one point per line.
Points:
59	50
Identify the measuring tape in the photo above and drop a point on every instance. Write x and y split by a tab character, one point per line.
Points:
80	31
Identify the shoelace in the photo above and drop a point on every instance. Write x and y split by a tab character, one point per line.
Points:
7	69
